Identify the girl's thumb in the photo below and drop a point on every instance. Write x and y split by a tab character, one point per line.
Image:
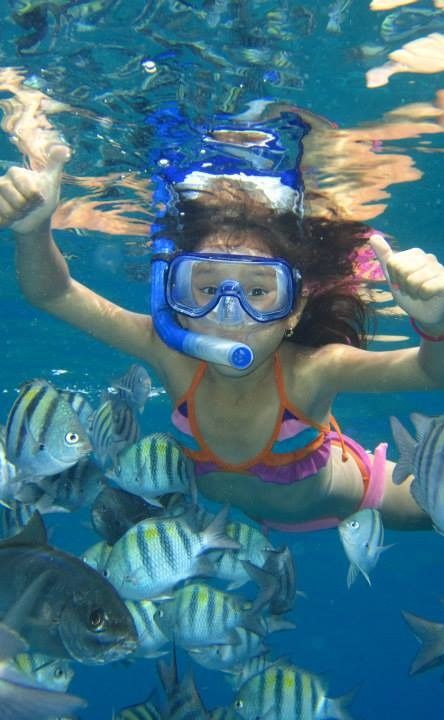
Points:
380	247
58	155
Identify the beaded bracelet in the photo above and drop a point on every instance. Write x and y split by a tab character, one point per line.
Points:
430	338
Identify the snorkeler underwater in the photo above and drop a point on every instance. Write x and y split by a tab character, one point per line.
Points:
221	408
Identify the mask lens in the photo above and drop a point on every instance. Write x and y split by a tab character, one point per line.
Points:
263	287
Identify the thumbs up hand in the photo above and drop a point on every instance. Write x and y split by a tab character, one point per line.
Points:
416	280
27	197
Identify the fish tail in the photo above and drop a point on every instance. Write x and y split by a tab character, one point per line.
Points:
214	534
337	707
431	637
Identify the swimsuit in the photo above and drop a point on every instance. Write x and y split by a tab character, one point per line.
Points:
298	448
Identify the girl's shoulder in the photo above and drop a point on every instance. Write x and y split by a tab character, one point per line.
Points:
306	380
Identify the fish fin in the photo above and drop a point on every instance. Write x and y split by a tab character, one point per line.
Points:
213	535
382	548
406	445
275	623
33	533
20	613
253	622
236	584
352	574
366	575
337	707
422	424
153	501
431	637
154	654
29	493
21	703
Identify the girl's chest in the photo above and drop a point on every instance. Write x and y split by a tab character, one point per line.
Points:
236	431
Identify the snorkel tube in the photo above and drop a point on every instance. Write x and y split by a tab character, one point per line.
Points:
205	347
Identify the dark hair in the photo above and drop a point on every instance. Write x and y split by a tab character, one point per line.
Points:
323	250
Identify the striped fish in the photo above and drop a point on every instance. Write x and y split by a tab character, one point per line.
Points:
14	518
253	666
157	553
22	698
72	489
362	537
143	711
286	692
133	387
254	548
199	615
97	556
337	12
81	406
405	22
280	565
49	672
230	657
150	637
424	458
113	428
154	466
9	485
43	433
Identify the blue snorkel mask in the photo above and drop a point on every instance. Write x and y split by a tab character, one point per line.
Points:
227	291
196	285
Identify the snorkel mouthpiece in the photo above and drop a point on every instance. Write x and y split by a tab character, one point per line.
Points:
206	347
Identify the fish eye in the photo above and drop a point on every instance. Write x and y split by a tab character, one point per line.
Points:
71	438
354	524
58	672
238	704
96	619
41	447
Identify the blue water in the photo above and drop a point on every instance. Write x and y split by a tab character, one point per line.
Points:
94	63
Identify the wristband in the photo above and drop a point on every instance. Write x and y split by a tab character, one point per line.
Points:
430	338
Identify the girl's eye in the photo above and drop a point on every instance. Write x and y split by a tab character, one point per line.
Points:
257	292
209	290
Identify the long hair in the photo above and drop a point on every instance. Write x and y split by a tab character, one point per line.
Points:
322	250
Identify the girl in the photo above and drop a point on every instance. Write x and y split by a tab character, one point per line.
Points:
250	277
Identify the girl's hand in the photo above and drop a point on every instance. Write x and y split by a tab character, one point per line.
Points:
28	198
416	280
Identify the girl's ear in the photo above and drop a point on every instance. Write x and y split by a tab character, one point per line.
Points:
295	316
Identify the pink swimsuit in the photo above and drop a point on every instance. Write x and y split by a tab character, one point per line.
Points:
298	447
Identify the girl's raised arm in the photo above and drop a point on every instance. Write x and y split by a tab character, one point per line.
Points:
27	202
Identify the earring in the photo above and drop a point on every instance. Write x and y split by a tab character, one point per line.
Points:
289	332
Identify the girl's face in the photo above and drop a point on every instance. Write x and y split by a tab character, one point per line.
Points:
263	338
